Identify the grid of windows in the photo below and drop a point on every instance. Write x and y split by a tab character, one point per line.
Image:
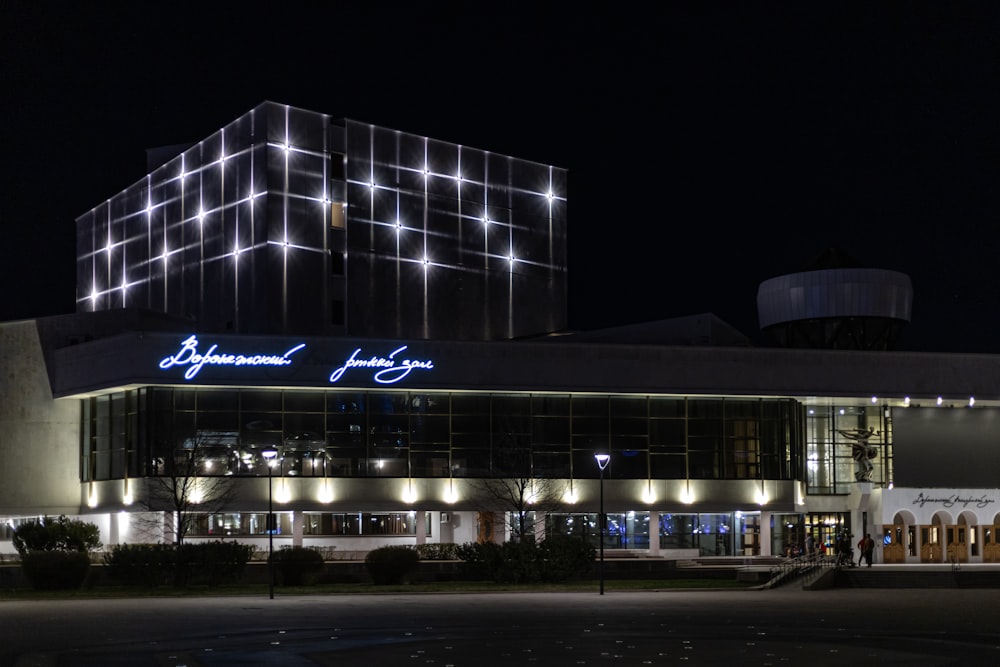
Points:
711	534
845	445
419	434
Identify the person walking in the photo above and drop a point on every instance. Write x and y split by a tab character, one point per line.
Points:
868	549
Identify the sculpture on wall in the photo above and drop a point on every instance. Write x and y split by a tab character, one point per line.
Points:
862	452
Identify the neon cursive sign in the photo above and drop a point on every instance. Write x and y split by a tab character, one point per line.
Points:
952	500
188	356
390	369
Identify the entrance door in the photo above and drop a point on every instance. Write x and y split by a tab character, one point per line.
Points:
893	550
957	543
930	544
991	544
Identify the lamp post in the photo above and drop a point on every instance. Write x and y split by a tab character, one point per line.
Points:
602	463
269	455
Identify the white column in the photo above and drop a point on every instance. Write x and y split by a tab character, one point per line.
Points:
765	533
298	520
654	534
539	527
421	527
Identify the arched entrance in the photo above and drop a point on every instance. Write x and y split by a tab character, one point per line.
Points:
899	539
958	538
991	541
931	538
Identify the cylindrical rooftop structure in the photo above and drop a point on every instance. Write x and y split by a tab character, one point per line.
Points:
835	307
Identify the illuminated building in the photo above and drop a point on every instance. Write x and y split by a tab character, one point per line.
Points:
382	309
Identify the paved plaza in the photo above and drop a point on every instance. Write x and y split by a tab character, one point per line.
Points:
786	626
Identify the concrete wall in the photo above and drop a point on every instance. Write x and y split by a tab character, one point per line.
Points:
39	437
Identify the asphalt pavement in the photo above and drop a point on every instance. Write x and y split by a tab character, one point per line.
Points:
785	626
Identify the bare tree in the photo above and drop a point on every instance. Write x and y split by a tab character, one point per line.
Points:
191	479
516	491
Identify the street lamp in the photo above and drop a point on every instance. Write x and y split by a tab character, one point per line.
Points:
269	455
602	463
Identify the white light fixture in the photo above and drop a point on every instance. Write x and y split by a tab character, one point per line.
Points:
940	400
648	495
569	497
906	401
687	497
874	399
325	494
409	494
972	401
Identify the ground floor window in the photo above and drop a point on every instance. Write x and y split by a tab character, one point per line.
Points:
234	524
362	523
710	534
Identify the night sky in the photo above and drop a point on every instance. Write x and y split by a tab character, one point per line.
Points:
710	146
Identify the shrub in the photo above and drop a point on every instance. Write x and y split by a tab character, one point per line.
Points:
62	534
391	565
55	570
480	559
141	564
519	563
564	557
211	563
556	558
510	562
298	566
442	551
55	552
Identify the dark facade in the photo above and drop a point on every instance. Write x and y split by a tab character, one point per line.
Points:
289	221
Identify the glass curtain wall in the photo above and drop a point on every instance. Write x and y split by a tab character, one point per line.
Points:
208	432
846	445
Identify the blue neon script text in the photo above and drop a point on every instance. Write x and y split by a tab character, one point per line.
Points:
188	355
391	370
